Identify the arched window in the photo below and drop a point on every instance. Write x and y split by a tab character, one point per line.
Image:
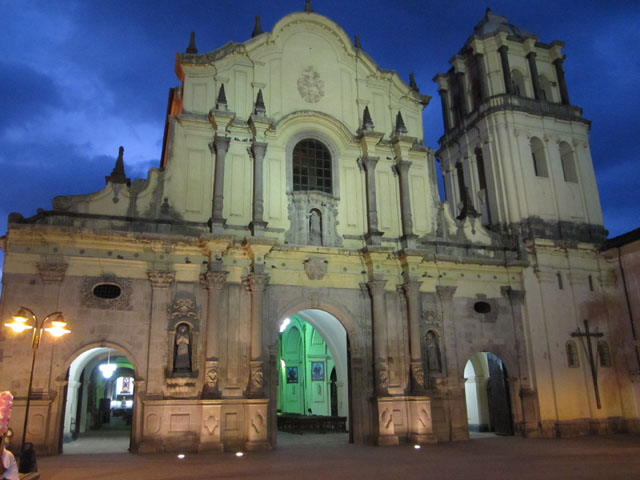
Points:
545	88
568	163
572	354
604	356
311	167
518	83
537	155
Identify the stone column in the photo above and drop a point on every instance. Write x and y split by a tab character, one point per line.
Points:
256	282
157	342
462	92
482	76
506	70
221	145
533	69
380	355
444	98
258	224
373	236
402	167
412	292
214	281
564	93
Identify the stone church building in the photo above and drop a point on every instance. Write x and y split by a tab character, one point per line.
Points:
291	255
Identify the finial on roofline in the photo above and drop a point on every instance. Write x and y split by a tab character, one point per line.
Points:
191	48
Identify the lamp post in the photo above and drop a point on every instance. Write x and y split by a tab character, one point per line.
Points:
21	322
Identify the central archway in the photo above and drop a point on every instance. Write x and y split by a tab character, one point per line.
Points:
312	375
98	409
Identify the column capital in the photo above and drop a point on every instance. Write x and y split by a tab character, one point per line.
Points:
445	292
503	48
222	144
161	279
214	280
52	272
376	286
403	166
369	163
532	55
259	149
256	282
411	288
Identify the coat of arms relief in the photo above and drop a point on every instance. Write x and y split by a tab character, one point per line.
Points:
310	85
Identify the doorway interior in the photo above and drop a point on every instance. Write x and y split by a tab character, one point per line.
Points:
99	403
312	379
487	395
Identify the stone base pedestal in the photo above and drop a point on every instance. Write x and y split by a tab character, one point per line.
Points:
257	438
420	423
386	430
211	426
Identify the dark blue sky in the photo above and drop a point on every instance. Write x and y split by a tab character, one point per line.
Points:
80	78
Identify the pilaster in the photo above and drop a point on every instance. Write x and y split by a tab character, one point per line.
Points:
221	146
160	283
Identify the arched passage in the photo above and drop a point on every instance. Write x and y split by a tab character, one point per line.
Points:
312	367
98	410
487	395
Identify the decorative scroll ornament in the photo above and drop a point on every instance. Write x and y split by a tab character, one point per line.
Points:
316	268
417	378
310	85
431	318
211	380
183	309
382	377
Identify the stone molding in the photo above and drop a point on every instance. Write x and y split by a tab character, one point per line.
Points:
315	268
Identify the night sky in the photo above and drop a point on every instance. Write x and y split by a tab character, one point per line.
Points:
81	78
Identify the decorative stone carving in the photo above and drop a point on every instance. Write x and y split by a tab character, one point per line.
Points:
417	378
382	377
52	272
316	268
211	380
256	380
310	85
183	310
431	318
160	279
306	210
211	424
122	302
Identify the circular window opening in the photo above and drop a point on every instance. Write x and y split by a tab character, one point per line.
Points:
107	290
482	307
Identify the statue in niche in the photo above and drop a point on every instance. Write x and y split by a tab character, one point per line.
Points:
315	227
182	349
434	358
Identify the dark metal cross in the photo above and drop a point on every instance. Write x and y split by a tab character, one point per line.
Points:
592	359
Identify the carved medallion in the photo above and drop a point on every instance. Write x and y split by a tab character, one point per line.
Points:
310	85
316	268
183	309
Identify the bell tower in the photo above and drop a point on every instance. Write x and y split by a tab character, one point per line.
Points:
515	150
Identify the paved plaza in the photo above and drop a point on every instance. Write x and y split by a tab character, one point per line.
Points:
330	457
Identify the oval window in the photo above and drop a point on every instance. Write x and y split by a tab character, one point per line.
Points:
107	290
482	307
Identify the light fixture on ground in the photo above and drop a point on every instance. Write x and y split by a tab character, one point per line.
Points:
239	454
20	322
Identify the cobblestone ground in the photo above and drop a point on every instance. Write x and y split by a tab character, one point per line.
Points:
326	457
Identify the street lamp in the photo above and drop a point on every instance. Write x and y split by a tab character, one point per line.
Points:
21	322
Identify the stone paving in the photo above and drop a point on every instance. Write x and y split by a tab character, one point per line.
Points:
330	457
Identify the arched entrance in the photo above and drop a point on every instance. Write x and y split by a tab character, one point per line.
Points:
487	395
312	384
98	410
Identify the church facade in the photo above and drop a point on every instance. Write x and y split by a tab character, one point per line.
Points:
291	254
